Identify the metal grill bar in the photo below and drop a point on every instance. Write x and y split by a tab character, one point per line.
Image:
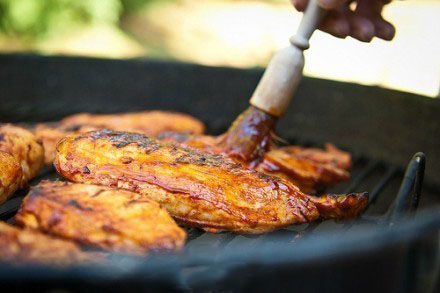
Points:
380	186
420	173
411	181
193	233
307	231
371	166
9	208
204	246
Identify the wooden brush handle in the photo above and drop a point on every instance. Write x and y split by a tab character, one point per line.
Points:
313	16
284	72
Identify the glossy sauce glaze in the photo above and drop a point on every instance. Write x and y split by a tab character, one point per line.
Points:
209	191
101	217
310	169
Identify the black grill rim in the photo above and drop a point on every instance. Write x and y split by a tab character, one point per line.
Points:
318	249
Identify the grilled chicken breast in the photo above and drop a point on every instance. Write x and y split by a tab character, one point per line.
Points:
151	123
51	133
208	191
310	169
106	218
25	148
22	247
10	176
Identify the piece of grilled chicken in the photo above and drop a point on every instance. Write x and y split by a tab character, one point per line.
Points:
110	219
25	246
51	133
198	189
151	123
26	149
10	176
310	169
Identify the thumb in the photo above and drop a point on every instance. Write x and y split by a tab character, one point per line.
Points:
330	4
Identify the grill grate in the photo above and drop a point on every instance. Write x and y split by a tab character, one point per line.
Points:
203	260
371	175
368	174
410	191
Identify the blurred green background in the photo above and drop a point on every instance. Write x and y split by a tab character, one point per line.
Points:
31	20
239	33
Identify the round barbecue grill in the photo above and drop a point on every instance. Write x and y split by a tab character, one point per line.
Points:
392	135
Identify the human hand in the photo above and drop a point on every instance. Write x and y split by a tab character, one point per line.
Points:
363	22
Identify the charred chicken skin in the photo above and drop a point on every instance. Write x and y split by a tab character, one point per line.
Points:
10	176
212	192
310	169
26	149
103	217
25	246
150	123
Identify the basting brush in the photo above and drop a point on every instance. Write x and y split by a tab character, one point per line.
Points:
250	136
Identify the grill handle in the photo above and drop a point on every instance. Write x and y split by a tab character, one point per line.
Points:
284	72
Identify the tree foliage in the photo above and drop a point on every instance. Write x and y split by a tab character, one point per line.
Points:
34	19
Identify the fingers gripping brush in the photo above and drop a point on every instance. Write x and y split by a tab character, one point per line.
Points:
250	135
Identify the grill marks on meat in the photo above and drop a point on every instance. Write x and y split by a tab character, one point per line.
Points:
205	190
25	246
103	217
27	152
150	123
310	169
